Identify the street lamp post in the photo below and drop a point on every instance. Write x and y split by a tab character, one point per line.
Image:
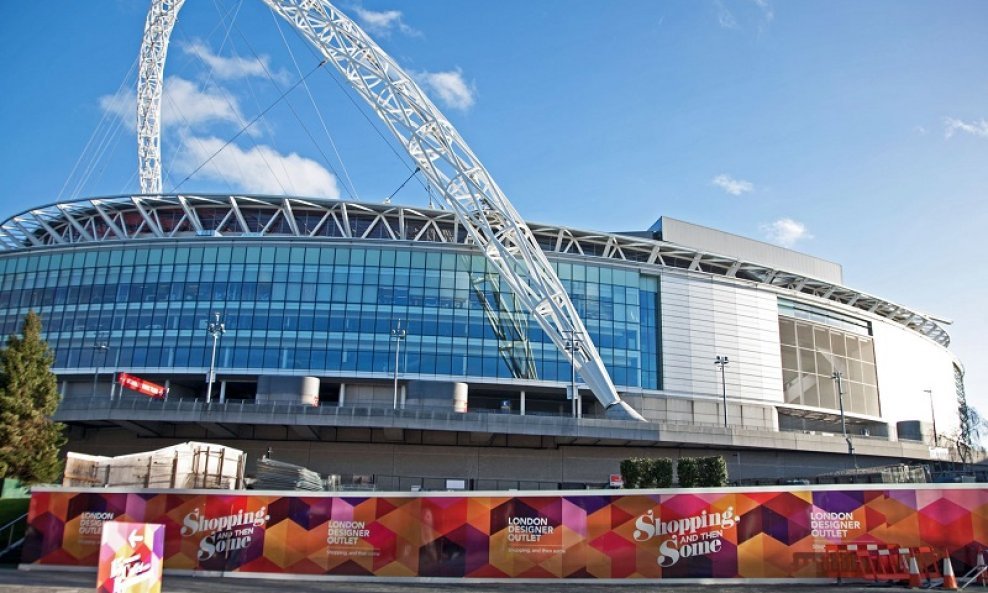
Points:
216	329
838	378
722	362
101	348
574	345
397	334
933	416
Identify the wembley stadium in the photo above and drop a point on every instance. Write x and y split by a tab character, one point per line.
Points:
376	341
461	346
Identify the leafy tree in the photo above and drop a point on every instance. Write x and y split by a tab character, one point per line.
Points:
29	440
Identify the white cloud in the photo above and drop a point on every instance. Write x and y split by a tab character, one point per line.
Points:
735	187
183	104
449	87
975	128
383	22
767	12
724	16
785	232
260	170
230	68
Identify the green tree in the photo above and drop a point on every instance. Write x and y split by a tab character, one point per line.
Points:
29	439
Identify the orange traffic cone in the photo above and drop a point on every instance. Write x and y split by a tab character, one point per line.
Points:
949	580
914	580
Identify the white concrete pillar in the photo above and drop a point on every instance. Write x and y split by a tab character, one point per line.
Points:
342	395
522	403
222	392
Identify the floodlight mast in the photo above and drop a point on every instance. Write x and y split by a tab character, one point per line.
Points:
443	157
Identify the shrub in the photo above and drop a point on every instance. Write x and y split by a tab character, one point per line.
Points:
702	472
688	472
660	472
631	472
712	471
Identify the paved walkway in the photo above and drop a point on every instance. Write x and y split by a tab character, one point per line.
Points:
15	581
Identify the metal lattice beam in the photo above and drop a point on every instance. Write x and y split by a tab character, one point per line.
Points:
150	84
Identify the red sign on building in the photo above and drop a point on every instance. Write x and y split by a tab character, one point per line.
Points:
141	386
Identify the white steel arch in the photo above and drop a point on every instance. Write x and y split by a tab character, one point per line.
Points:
467	188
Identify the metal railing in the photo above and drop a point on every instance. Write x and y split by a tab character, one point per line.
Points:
185	405
8	531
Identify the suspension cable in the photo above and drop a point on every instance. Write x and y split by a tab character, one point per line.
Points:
360	110
250	123
409	178
312	100
291	108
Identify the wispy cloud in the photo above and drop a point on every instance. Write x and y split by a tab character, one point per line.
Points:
227	68
187	114
768	14
744	14
975	128
733	186
260	169
384	22
725	18
183	104
785	232
450	87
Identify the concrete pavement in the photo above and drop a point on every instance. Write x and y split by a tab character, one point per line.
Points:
35	581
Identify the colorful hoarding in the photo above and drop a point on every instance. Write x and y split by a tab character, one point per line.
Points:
130	558
758	533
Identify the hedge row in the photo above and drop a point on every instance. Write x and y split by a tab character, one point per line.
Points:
693	472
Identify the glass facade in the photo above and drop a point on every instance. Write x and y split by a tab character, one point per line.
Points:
811	352
316	308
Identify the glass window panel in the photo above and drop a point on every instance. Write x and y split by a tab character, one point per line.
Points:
824	364
821	338
868	374
854	370
787	331
807	361
853	348
868	351
811	395
828	393
804	335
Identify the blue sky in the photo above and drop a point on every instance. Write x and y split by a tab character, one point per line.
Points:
854	131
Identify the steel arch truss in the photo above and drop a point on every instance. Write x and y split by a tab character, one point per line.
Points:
436	147
150	85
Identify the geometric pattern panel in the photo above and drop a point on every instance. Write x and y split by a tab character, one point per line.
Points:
641	534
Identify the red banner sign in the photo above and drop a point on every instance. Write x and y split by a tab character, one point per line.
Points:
732	533
141	386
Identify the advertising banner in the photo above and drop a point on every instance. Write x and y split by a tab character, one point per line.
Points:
757	533
130	558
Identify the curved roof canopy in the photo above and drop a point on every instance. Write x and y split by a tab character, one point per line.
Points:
138	218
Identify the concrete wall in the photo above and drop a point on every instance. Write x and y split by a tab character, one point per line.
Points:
906	364
400	465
